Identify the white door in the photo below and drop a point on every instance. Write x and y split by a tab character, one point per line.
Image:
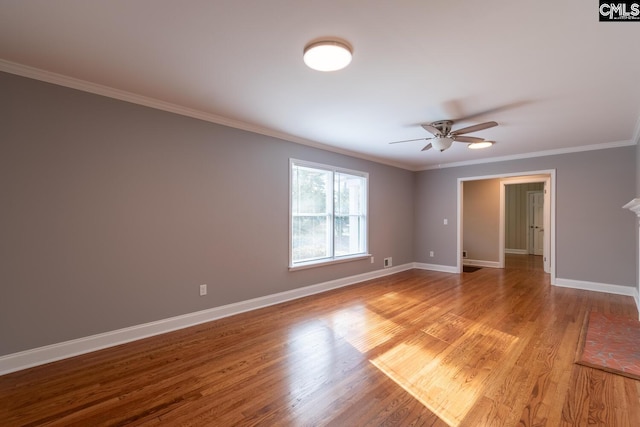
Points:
536	222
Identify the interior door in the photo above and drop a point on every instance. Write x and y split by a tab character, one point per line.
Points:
536	222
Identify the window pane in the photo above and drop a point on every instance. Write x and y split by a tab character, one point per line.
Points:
310	190
349	238
350	207
311	237
311	210
349	193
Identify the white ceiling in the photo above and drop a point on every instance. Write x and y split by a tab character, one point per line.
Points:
547	71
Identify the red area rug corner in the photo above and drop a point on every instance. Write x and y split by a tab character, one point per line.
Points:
610	343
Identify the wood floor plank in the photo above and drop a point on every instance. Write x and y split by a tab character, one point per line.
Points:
494	347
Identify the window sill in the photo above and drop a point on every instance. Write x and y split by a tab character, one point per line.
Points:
313	264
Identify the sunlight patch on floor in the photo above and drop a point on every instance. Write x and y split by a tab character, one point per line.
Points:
447	366
363	328
443	360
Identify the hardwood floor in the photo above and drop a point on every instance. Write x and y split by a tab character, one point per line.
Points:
492	347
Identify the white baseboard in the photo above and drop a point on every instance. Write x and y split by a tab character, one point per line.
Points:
480	263
601	287
597	287
516	251
436	267
51	353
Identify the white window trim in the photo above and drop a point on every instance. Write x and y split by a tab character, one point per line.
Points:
334	260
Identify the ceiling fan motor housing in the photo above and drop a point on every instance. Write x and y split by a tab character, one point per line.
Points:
444	126
442	141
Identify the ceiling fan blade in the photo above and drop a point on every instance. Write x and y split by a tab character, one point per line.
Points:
432	130
467	139
427	147
485	113
474	128
408	140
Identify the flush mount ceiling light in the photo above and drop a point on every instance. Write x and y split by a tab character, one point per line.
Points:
479	145
327	55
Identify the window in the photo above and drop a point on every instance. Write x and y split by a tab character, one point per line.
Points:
328	214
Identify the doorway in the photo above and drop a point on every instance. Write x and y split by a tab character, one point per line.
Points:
547	239
521	234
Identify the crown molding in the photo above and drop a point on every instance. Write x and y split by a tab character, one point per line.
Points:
544	153
110	92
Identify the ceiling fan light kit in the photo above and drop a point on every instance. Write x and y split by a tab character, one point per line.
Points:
441	143
480	145
327	55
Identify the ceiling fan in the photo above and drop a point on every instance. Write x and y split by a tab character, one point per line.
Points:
443	136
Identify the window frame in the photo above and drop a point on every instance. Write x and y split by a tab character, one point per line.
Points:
332	259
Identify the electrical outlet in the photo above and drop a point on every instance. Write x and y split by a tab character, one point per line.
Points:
203	290
372	260
446	221
431	254
388	262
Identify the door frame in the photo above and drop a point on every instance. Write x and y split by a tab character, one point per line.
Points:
549	178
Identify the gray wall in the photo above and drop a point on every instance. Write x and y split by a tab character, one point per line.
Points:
481	219
637	193
515	214
113	214
635	229
593	238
